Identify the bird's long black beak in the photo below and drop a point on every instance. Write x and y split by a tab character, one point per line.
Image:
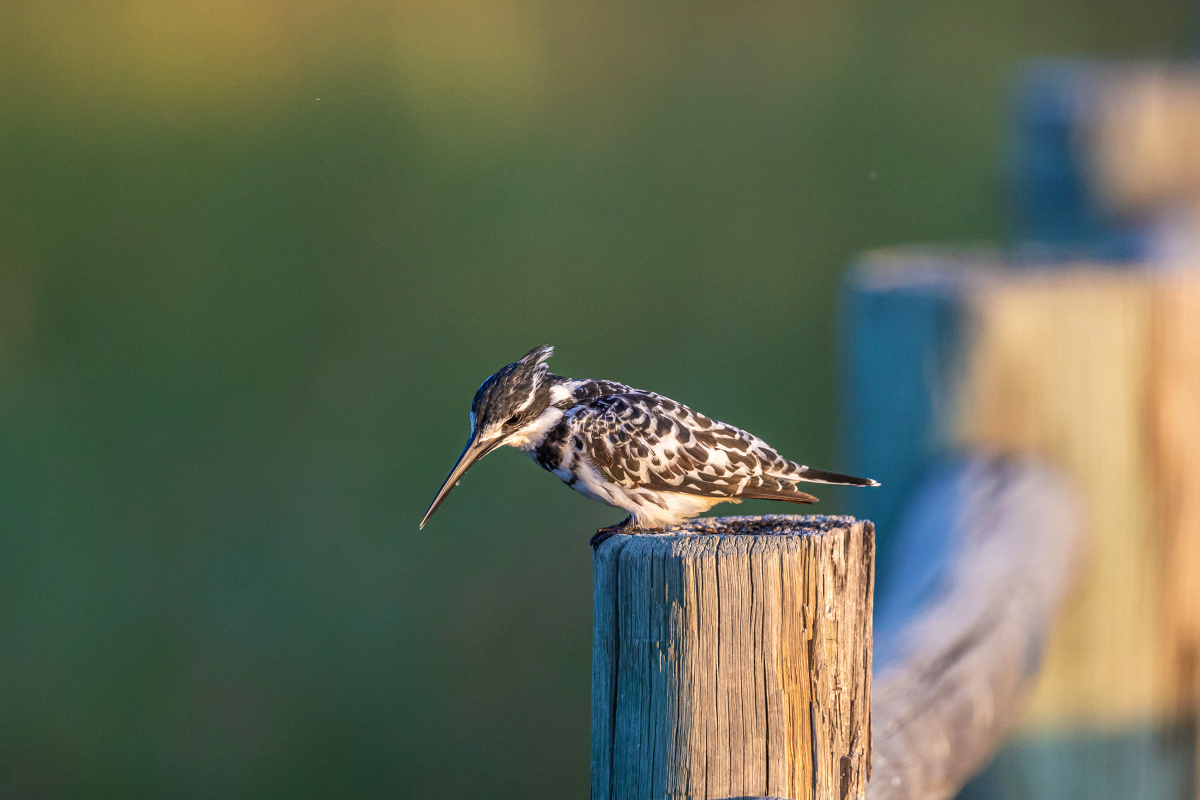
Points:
475	450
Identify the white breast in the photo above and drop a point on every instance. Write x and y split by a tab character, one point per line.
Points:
649	508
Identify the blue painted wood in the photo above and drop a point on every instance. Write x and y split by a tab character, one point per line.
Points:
1149	763
902	350
926	536
904	346
1055	203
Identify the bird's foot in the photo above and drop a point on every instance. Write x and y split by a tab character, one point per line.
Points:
601	536
627	526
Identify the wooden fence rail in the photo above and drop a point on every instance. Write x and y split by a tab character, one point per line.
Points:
989	549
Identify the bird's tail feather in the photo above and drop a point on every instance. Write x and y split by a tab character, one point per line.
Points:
821	476
792	496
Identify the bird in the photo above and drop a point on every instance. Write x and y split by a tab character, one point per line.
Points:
644	453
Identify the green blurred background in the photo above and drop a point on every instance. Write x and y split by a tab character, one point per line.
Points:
255	258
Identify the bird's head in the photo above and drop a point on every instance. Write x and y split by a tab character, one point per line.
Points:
506	408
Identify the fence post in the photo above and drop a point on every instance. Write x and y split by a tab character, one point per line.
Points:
732	659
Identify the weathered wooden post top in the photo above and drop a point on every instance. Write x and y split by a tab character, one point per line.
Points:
732	659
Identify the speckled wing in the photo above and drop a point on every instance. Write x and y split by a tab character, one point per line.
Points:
643	440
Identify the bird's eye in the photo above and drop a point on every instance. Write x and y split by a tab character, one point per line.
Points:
512	421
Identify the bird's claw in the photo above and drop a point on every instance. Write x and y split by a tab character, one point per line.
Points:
601	536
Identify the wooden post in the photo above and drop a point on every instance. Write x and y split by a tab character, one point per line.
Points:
989	547
732	659
1091	370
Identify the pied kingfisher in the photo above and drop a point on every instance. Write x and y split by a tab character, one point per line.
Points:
639	451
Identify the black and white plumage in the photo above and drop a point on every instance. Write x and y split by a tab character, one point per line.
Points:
639	451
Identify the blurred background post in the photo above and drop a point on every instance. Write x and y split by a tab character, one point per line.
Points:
1078	348
255	256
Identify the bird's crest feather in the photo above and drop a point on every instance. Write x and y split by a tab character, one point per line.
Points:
538	354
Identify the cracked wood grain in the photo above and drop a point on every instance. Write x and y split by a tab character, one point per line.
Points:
732	659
